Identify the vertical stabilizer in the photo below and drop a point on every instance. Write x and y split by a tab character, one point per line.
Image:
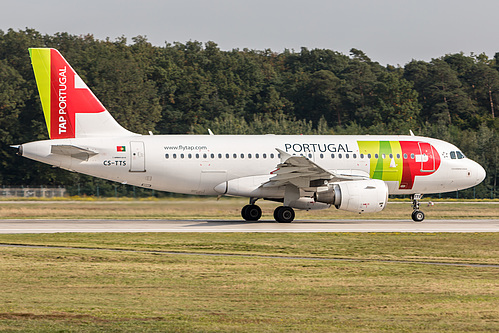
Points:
70	108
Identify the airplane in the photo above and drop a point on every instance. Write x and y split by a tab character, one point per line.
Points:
355	173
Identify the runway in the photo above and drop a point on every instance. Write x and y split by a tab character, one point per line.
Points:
16	226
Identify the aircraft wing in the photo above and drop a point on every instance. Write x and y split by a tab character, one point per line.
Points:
304	173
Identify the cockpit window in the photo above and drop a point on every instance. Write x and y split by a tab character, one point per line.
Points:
453	155
459	155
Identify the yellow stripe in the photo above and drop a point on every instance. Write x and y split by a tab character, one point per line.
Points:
370	147
40	59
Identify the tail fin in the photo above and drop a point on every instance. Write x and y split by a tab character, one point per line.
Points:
71	109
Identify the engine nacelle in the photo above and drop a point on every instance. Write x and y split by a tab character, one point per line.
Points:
360	196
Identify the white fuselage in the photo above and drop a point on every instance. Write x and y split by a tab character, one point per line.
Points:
197	164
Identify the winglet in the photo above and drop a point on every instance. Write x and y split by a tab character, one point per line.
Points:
284	156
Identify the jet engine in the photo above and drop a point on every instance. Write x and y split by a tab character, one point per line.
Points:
360	196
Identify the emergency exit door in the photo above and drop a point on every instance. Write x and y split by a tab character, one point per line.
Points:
137	157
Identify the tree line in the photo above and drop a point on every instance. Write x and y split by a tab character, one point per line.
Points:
190	87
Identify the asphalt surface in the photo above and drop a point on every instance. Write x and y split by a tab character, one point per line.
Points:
12	226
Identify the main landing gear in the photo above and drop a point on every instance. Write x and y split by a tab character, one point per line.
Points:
251	212
417	215
282	214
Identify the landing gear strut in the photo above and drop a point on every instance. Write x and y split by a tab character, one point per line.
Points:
417	215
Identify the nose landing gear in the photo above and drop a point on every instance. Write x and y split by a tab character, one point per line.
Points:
417	215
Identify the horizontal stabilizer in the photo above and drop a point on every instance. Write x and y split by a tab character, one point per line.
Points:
73	151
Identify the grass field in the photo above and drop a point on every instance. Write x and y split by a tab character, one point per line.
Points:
94	290
246	282
226	208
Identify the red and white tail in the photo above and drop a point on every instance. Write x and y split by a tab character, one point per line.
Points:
71	109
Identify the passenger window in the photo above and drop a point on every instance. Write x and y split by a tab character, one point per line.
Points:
212	155
383	156
354	155
375	155
197	155
257	155
181	155
242	155
362	156
459	155
219	155
391	156
321	156
412	156
227	156
369	156
174	155
190	155
453	155
271	155
264	155
405	156
167	156
205	156
332	155
234	155
340	156
398	156
347	155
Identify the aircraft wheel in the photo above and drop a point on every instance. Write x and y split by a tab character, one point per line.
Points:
284	214
251	213
417	216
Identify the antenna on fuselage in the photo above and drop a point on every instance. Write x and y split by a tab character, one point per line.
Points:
410	131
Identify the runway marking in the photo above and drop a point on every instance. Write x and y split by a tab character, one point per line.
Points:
260	256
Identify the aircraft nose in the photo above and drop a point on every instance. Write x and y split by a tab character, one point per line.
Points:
480	173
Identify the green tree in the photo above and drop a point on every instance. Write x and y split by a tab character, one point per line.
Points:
320	98
398	103
485	81
12	92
